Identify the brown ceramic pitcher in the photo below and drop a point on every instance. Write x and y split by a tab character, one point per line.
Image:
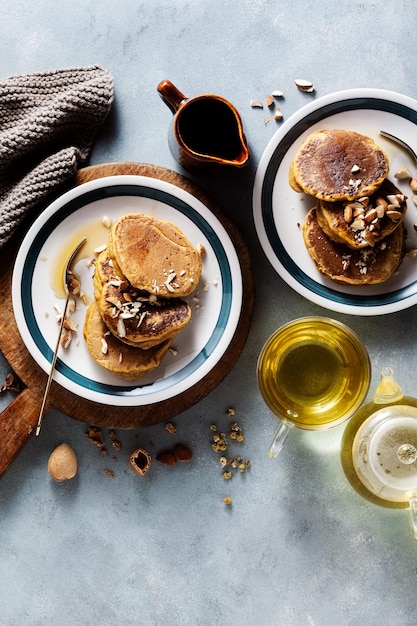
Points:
207	131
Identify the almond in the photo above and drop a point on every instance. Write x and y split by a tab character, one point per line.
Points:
167	458
182	453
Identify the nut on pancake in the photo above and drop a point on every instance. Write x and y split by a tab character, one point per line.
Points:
122	360
154	255
338	164
355	267
136	317
363	222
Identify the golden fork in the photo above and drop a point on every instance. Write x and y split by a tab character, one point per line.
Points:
67	275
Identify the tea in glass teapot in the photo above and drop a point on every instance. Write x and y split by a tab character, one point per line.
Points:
379	448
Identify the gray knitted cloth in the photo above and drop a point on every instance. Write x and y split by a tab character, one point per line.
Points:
48	121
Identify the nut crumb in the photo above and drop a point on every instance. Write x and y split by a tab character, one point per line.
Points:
106	221
411	254
95	436
109	473
304	85
11	383
170	428
402	174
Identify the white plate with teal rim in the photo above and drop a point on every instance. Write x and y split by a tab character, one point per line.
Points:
216	303
279	211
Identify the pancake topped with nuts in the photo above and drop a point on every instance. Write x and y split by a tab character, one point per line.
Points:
338	165
124	361
154	255
363	222
136	317
140	279
342	264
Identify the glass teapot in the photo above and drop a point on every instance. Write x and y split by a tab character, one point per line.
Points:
379	448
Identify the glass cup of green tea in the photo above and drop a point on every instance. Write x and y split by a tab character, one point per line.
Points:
313	373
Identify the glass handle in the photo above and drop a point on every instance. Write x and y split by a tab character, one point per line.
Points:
413	514
279	440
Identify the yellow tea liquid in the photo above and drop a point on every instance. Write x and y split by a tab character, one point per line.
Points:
314	373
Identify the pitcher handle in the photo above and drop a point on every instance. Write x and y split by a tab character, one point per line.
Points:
170	95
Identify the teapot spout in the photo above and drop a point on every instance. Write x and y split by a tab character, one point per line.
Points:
388	390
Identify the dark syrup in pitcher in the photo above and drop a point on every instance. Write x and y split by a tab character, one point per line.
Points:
209	127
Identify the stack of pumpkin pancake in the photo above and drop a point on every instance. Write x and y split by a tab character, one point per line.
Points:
140	282
355	233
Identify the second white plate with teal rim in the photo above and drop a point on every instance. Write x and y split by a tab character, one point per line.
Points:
279	211
216	304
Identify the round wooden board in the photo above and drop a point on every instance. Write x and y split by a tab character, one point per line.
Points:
18	420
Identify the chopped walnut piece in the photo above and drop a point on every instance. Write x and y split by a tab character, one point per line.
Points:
304	85
402	174
74	286
95	436
11	383
66	337
69	324
170	428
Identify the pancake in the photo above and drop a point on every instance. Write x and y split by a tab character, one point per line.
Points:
154	256
354	267
134	316
291	179
338	165
122	360
363	222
